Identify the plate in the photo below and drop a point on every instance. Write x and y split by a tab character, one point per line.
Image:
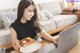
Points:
31	48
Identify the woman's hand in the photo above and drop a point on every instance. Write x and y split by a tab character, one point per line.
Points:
55	39
49	37
16	44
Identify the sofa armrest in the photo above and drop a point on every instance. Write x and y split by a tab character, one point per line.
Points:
6	46
4	32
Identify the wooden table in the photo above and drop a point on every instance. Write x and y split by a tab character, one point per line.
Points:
10	45
75	49
43	43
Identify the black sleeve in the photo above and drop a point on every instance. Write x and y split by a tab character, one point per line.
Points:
13	26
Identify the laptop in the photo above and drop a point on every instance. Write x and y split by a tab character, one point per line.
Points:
67	40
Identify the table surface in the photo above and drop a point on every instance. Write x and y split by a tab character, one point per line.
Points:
75	49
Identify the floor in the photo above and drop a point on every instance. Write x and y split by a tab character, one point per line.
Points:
76	49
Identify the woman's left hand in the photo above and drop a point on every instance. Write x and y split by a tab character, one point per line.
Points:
55	39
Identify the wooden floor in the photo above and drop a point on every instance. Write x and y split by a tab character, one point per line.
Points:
76	49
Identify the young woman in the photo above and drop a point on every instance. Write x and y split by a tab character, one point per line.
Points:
27	25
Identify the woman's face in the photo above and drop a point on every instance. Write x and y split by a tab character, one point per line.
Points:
29	12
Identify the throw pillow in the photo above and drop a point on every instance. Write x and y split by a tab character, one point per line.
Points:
12	16
6	22
1	24
42	16
47	14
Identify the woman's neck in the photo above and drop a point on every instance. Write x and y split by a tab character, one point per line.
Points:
23	20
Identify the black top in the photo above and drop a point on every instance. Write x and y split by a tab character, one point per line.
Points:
24	30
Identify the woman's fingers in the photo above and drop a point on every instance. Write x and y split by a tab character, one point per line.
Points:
55	40
18	44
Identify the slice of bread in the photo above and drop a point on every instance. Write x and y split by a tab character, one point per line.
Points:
27	41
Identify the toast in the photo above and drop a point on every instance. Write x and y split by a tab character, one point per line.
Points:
27	41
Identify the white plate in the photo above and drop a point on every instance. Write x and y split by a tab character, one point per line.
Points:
31	48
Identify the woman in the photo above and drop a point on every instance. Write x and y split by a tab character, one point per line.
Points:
27	25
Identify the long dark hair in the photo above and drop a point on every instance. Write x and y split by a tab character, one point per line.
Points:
34	20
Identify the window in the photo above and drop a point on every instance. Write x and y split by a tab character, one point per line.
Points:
71	2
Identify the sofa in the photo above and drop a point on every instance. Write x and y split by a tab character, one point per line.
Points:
50	18
7	16
51	12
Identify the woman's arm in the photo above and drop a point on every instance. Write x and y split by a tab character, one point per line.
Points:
15	41
48	36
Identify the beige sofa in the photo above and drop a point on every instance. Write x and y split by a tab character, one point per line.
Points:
7	16
52	23
51	12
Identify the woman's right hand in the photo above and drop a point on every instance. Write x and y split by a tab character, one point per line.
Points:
16	44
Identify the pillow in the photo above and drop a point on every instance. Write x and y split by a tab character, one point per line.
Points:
53	6
12	16
1	24
42	16
6	21
47	14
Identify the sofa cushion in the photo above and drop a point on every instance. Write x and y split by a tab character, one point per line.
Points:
53	6
12	16
1	24
6	21
42	16
4	32
48	25
47	14
64	20
5	37
7	18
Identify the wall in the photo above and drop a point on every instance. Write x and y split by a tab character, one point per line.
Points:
43	1
4	4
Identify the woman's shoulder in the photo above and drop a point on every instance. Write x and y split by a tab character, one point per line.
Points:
13	25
